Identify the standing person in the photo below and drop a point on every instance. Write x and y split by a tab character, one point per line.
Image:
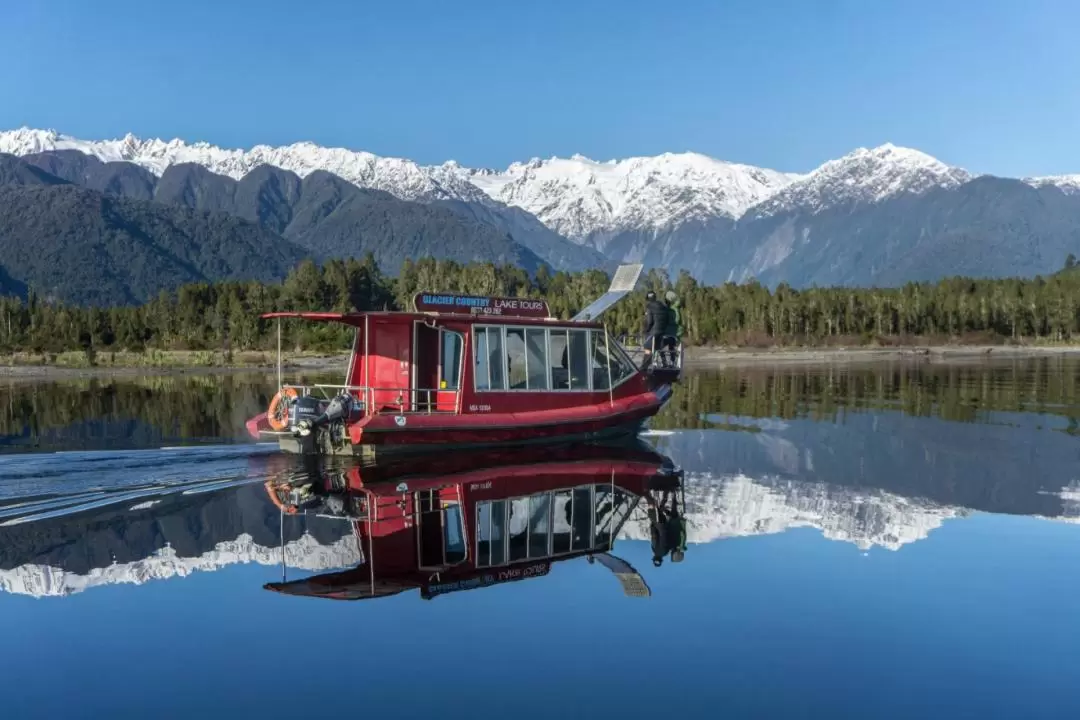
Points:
673	329
655	324
658	534
667	527
675	529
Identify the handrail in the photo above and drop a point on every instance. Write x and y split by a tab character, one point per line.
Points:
408	400
427	398
634	345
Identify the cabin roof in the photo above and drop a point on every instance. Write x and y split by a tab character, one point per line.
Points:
356	319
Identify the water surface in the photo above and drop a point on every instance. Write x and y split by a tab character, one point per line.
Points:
893	540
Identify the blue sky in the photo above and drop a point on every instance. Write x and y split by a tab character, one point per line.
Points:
990	85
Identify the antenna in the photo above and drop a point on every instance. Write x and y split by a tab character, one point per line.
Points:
624	282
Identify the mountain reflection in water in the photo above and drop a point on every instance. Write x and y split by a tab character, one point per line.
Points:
887	541
437	525
883	479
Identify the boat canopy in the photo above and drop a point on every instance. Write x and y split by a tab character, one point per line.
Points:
355	319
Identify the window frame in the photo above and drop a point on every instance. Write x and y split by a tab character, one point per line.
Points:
549	495
506	330
611	347
475	333
461	359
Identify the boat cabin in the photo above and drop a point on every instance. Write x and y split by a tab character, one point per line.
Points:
465	354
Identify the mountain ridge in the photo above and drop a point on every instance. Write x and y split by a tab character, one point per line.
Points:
720	221
72	243
101	234
403	179
412	181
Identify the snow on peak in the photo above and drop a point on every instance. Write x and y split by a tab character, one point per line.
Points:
403	178
864	175
578	197
1068	184
582	199
304	553
719	507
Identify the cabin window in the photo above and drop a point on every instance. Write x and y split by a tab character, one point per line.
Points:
516	359
599	356
539	525
604	502
536	358
568	352
562	511
519	529
490	358
571	520
527	359
578	356
613	505
598	361
621	367
520	358
581	519
453	538
491	533
558	359
450	363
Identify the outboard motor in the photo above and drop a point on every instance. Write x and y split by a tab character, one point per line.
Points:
339	410
305	409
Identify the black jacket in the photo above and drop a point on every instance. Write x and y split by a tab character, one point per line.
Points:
656	318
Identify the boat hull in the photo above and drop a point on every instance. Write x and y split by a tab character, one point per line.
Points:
387	435
417	443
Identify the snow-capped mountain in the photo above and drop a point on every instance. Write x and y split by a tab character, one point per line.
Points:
402	178
853	220
719	507
405	179
304	553
863	176
583	199
1068	184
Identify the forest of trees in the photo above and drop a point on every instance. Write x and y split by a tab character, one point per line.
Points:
225	316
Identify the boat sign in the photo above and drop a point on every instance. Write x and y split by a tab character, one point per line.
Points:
481	305
486	579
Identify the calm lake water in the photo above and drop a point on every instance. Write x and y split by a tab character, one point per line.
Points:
883	541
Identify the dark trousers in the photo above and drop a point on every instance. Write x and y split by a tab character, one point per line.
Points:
653	343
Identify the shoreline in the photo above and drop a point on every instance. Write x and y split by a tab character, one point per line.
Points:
695	357
27	372
934	354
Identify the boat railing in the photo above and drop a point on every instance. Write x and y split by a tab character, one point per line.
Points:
398	401
412	401
669	359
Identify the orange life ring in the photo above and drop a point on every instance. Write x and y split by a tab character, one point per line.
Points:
278	413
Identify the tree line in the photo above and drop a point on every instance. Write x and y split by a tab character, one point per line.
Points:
224	316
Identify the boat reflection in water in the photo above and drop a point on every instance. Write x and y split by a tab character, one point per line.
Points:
472	521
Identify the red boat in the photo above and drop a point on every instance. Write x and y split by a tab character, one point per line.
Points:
470	372
498	522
